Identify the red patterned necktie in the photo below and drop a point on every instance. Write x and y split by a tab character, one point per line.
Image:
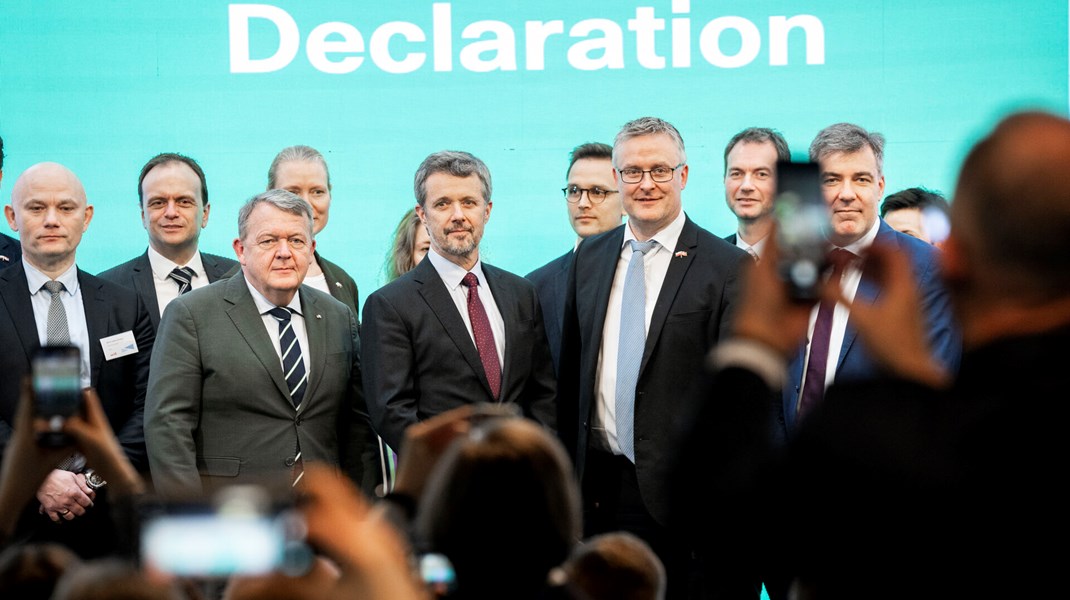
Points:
488	352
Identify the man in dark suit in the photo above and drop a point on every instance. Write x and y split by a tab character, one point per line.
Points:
10	252
887	479
852	180
454	304
255	374
173	195
593	207
639	319
750	184
106	322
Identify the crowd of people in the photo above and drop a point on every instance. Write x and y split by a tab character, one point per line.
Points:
651	415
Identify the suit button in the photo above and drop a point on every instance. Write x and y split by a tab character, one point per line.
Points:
289	462
298	421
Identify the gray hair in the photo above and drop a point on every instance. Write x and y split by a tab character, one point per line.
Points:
453	162
295	153
285	201
847	138
759	135
648	126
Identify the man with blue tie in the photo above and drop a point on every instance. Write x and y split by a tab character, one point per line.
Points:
256	374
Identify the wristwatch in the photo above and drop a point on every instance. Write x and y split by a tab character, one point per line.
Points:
94	480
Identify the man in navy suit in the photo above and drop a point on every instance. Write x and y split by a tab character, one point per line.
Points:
454	330
852	180
750	184
594	207
645	302
10	252
46	300
173	195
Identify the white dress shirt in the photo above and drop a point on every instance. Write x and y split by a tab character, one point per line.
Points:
757	247
297	321
72	305
451	275
655	266
852	275
167	288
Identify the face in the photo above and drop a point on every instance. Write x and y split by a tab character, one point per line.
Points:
587	217
49	211
276	252
853	187
307	179
420	244
455	213
650	205
749	182
908	221
173	210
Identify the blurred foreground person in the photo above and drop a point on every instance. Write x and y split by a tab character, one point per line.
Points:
615	566
919	484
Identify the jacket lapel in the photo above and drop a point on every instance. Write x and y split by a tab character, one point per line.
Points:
97	313
15	294
316	330
249	323
868	290
678	267
507	303
433	291
146	288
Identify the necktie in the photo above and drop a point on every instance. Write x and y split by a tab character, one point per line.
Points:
488	351
290	349
814	387
56	331
753	254
183	276
630	347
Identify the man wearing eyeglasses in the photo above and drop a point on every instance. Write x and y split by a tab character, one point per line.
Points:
750	184
645	303
254	375
594	206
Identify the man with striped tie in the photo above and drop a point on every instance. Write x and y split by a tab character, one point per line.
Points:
256	374
173	195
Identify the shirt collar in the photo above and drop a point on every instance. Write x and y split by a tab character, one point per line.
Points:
451	273
666	238
859	246
263	305
162	266
35	278
756	246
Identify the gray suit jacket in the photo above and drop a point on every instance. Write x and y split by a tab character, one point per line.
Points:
218	409
136	274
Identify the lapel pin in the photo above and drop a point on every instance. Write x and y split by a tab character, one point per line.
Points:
4	258
319	316
338	284
680	254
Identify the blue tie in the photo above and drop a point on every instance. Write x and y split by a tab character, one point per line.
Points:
631	345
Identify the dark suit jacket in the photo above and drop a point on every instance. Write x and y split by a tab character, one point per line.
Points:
551	284
219	410
136	274
419	359
109	310
855	362
731	239
10	251
691	314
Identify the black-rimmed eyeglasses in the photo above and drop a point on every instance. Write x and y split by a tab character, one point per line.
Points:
657	174
597	195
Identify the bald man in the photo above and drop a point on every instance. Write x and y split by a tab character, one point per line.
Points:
110	326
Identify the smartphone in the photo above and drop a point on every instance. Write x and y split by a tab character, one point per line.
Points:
240	534
57	390
802	228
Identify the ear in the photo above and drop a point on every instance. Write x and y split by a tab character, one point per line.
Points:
486	214
239	250
10	214
204	219
420	213
88	217
683	177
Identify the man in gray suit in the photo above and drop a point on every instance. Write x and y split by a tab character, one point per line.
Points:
256	374
173	195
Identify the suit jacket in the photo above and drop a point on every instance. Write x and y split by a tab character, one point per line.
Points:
219	410
136	274
691	314
551	284
420	360
10	251
731	239
120	383
855	362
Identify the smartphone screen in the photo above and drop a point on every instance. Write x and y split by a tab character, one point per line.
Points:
802	228
57	389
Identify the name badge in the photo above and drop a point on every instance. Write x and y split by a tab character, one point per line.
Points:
119	345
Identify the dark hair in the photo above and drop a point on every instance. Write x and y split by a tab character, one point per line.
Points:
846	137
759	135
1	154
399	261
596	150
616	565
454	162
170	157
915	197
32	570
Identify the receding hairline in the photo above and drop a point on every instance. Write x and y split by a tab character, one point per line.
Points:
46	171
